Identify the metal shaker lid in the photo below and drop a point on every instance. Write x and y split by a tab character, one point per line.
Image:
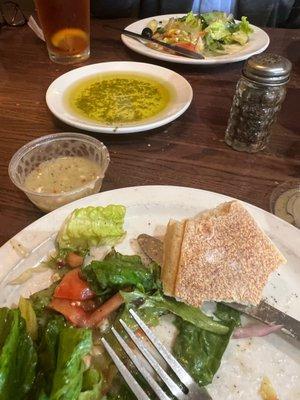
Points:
268	68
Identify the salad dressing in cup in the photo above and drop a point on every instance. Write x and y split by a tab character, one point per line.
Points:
57	169
58	175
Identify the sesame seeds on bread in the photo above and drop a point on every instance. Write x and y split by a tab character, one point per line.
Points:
224	256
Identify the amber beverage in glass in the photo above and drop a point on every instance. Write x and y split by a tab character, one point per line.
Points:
66	27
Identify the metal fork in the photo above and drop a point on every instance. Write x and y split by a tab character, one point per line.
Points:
193	392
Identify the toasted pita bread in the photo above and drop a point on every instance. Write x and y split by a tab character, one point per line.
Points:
172	250
225	256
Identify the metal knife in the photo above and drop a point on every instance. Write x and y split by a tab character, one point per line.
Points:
153	248
176	49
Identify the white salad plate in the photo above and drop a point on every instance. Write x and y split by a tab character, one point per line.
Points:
181	98
258	42
148	210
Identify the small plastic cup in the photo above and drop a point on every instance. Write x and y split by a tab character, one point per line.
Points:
67	144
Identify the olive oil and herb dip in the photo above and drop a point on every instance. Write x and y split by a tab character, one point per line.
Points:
119	98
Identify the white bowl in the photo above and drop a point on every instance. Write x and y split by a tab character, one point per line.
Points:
182	95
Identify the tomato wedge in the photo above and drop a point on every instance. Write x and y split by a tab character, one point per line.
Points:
73	311
73	287
185	45
70	310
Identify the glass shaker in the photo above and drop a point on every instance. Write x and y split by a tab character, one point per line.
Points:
259	95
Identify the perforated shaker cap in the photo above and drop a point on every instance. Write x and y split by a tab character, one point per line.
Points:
268	68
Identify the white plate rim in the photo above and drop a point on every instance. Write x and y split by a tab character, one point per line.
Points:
146	51
53	95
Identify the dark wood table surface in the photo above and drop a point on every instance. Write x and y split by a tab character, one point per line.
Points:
188	152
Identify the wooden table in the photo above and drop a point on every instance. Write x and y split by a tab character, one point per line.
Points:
188	152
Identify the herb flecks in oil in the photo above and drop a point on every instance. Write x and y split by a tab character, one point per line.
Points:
119	98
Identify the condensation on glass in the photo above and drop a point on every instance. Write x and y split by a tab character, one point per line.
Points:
258	98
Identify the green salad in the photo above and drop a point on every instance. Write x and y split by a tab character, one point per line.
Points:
213	33
50	345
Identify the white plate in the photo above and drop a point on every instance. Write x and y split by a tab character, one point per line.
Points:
258	42
149	208
180	101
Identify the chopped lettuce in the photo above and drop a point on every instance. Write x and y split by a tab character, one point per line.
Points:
74	345
244	26
18	356
117	272
217	30
61	371
188	313
213	46
92	226
239	37
27	312
91	385
48	348
200	351
40	301
211	17
120	391
150	314
222	29
192	20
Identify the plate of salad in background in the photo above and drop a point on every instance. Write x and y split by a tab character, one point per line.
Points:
69	276
216	35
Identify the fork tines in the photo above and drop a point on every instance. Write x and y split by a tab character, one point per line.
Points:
145	360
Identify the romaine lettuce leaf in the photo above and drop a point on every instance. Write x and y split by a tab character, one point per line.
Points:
192	20
74	345
200	351
60	364
48	347
239	37
40	301
244	26
91	385
92	226
214	46
117	272
27	312
122	392
165	304
218	30
211	17
222	29
18	356
150	315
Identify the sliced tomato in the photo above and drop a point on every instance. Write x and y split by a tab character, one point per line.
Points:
74	312
73	287
185	45
71	310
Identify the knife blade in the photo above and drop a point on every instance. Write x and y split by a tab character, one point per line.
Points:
264	312
175	48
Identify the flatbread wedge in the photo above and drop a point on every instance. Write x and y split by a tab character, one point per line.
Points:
225	256
172	249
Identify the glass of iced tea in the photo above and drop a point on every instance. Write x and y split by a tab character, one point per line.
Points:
66	27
